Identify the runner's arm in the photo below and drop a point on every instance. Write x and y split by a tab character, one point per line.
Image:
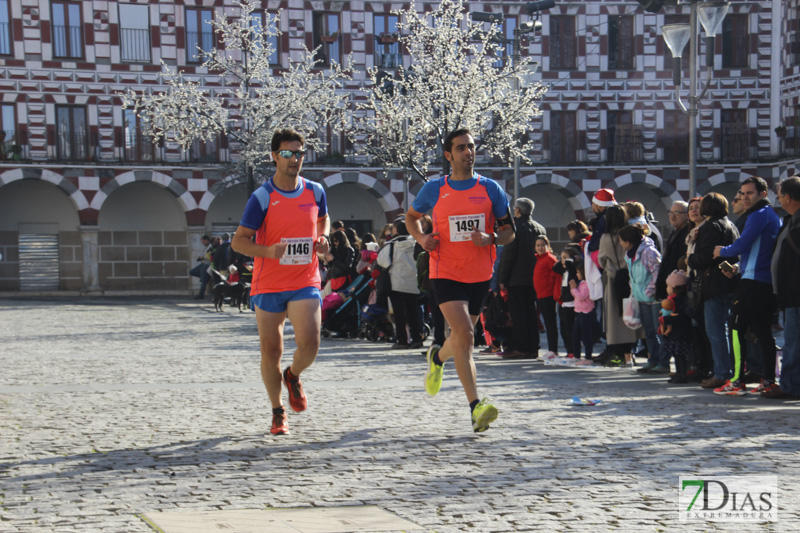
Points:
242	243
323	230
428	241
505	230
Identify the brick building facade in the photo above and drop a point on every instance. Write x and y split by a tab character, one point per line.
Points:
86	202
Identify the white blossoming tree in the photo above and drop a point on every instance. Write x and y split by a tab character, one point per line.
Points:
247	102
454	81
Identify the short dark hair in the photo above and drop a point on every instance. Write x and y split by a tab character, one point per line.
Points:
206	237
760	184
791	188
284	135
337	224
714	205
448	141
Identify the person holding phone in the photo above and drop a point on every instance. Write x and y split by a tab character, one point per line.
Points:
754	303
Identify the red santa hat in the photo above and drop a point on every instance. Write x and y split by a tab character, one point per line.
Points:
604	198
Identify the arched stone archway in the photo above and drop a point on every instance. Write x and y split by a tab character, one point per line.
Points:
569	189
225	210
727	184
376	200
74	194
184	197
142	237
656	194
40	234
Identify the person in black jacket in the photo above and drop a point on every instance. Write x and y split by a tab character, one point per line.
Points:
675	245
786	286
516	275
565	269
339	260
677	342
717	289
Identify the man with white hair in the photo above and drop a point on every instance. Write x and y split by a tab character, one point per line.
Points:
515	274
674	246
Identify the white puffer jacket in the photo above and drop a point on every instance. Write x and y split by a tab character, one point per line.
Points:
399	259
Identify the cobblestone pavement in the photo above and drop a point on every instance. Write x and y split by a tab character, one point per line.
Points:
114	407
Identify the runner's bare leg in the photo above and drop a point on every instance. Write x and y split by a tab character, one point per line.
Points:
270	333
306	319
460	343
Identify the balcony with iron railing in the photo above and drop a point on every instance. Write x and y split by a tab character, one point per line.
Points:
5	39
67	41
75	146
137	147
735	142
194	39
627	143
388	60
11	147
134	44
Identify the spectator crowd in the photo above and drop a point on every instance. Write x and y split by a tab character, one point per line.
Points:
698	305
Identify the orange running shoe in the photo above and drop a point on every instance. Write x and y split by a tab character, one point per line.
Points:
280	424
732	388
297	398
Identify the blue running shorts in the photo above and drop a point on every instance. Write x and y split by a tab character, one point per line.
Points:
276	302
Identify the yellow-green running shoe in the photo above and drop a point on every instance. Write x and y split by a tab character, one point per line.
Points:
433	379
483	415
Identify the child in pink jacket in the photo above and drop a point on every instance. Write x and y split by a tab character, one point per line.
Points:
584	315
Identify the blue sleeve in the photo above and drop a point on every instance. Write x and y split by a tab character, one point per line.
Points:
256	209
319	196
427	197
499	199
752	230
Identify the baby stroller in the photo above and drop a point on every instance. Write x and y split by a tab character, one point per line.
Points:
345	320
375	324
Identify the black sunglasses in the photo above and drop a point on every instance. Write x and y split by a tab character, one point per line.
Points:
287	154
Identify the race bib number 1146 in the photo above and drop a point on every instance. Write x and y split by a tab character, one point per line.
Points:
298	251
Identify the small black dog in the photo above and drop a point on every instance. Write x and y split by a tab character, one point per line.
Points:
223	291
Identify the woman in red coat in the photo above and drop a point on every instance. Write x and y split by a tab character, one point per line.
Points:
548	286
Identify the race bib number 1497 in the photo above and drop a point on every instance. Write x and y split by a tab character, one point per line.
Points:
461	226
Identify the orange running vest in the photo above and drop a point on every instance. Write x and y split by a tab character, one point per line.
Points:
454	216
295	220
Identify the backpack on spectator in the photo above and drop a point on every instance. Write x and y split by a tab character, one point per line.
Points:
383	280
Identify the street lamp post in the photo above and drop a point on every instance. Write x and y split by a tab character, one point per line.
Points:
516	53
676	36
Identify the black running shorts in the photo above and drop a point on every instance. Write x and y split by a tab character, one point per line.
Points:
448	290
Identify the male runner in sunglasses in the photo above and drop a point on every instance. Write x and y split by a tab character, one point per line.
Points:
288	216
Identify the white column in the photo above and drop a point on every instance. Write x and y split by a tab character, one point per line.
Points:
91	257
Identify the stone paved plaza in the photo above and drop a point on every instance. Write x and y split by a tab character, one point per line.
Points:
112	408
